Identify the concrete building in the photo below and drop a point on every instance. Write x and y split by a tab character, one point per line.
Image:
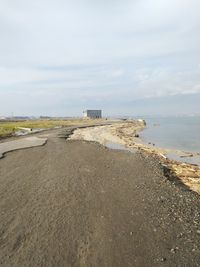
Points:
93	114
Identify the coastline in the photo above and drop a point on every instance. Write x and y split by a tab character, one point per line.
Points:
82	191
125	134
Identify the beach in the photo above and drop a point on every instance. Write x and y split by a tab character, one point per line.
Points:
79	203
124	134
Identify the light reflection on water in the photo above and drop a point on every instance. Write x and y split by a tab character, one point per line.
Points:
116	146
112	145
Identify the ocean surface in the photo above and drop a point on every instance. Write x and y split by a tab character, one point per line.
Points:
180	133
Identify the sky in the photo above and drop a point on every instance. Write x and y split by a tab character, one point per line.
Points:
60	57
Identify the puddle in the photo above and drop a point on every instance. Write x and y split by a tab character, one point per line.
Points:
117	146
190	160
26	132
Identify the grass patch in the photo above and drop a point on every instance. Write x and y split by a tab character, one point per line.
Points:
10	127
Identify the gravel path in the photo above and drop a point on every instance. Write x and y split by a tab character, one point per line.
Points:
77	203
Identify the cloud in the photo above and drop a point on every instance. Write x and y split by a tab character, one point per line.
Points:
63	53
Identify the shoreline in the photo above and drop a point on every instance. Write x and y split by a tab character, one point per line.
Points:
123	132
83	192
125	135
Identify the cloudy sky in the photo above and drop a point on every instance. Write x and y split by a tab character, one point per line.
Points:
127	57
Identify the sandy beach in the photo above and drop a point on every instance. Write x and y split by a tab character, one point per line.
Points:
126	134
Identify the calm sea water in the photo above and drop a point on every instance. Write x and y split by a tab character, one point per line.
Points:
182	133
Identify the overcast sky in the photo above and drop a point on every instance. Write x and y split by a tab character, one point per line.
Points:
59	57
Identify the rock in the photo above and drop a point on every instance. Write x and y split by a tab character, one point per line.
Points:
173	250
180	235
142	121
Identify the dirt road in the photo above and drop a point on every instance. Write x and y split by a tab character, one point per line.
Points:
79	204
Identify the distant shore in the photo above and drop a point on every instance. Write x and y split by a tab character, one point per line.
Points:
126	134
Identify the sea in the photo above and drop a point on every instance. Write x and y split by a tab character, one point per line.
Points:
179	133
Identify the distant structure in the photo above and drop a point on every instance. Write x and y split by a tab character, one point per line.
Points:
92	114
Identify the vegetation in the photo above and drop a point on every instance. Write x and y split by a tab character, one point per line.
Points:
8	128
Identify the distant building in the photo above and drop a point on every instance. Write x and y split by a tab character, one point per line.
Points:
93	114
45	117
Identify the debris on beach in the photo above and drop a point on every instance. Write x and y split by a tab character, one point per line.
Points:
189	174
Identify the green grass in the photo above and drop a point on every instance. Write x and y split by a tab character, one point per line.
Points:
9	128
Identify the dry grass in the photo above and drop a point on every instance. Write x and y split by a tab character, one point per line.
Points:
10	127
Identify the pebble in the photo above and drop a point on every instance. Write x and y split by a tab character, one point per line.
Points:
173	250
180	235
